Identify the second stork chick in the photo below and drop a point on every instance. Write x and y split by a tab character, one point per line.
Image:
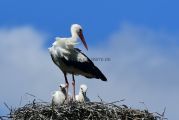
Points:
81	97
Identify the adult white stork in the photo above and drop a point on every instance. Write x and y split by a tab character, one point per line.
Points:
71	60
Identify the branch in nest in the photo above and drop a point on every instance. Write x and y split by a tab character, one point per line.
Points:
76	110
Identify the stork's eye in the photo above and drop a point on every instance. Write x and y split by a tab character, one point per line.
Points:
80	30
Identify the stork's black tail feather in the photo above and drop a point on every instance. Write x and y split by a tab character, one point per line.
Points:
87	67
99	74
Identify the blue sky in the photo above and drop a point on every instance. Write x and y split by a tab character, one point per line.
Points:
99	18
140	37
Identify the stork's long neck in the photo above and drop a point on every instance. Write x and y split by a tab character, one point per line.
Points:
64	91
82	93
74	36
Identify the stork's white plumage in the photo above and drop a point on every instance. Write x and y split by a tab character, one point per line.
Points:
82	97
72	60
59	97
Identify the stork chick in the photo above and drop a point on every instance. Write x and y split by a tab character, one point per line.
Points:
81	97
59	97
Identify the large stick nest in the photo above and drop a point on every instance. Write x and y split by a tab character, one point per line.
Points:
80	111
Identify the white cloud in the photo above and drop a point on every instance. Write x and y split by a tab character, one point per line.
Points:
143	67
25	66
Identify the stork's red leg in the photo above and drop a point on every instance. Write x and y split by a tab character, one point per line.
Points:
73	83
67	85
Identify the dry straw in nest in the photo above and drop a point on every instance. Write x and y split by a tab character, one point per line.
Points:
80	111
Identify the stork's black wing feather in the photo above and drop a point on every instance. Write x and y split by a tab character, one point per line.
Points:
86	65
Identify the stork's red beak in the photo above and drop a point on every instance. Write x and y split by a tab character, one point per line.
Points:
83	39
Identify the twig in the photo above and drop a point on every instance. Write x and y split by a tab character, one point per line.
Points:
162	116
7	107
144	105
34	96
30	94
20	101
100	98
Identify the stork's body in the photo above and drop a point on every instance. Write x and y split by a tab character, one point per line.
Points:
72	60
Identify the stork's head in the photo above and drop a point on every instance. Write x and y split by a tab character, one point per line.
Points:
62	88
83	89
76	31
